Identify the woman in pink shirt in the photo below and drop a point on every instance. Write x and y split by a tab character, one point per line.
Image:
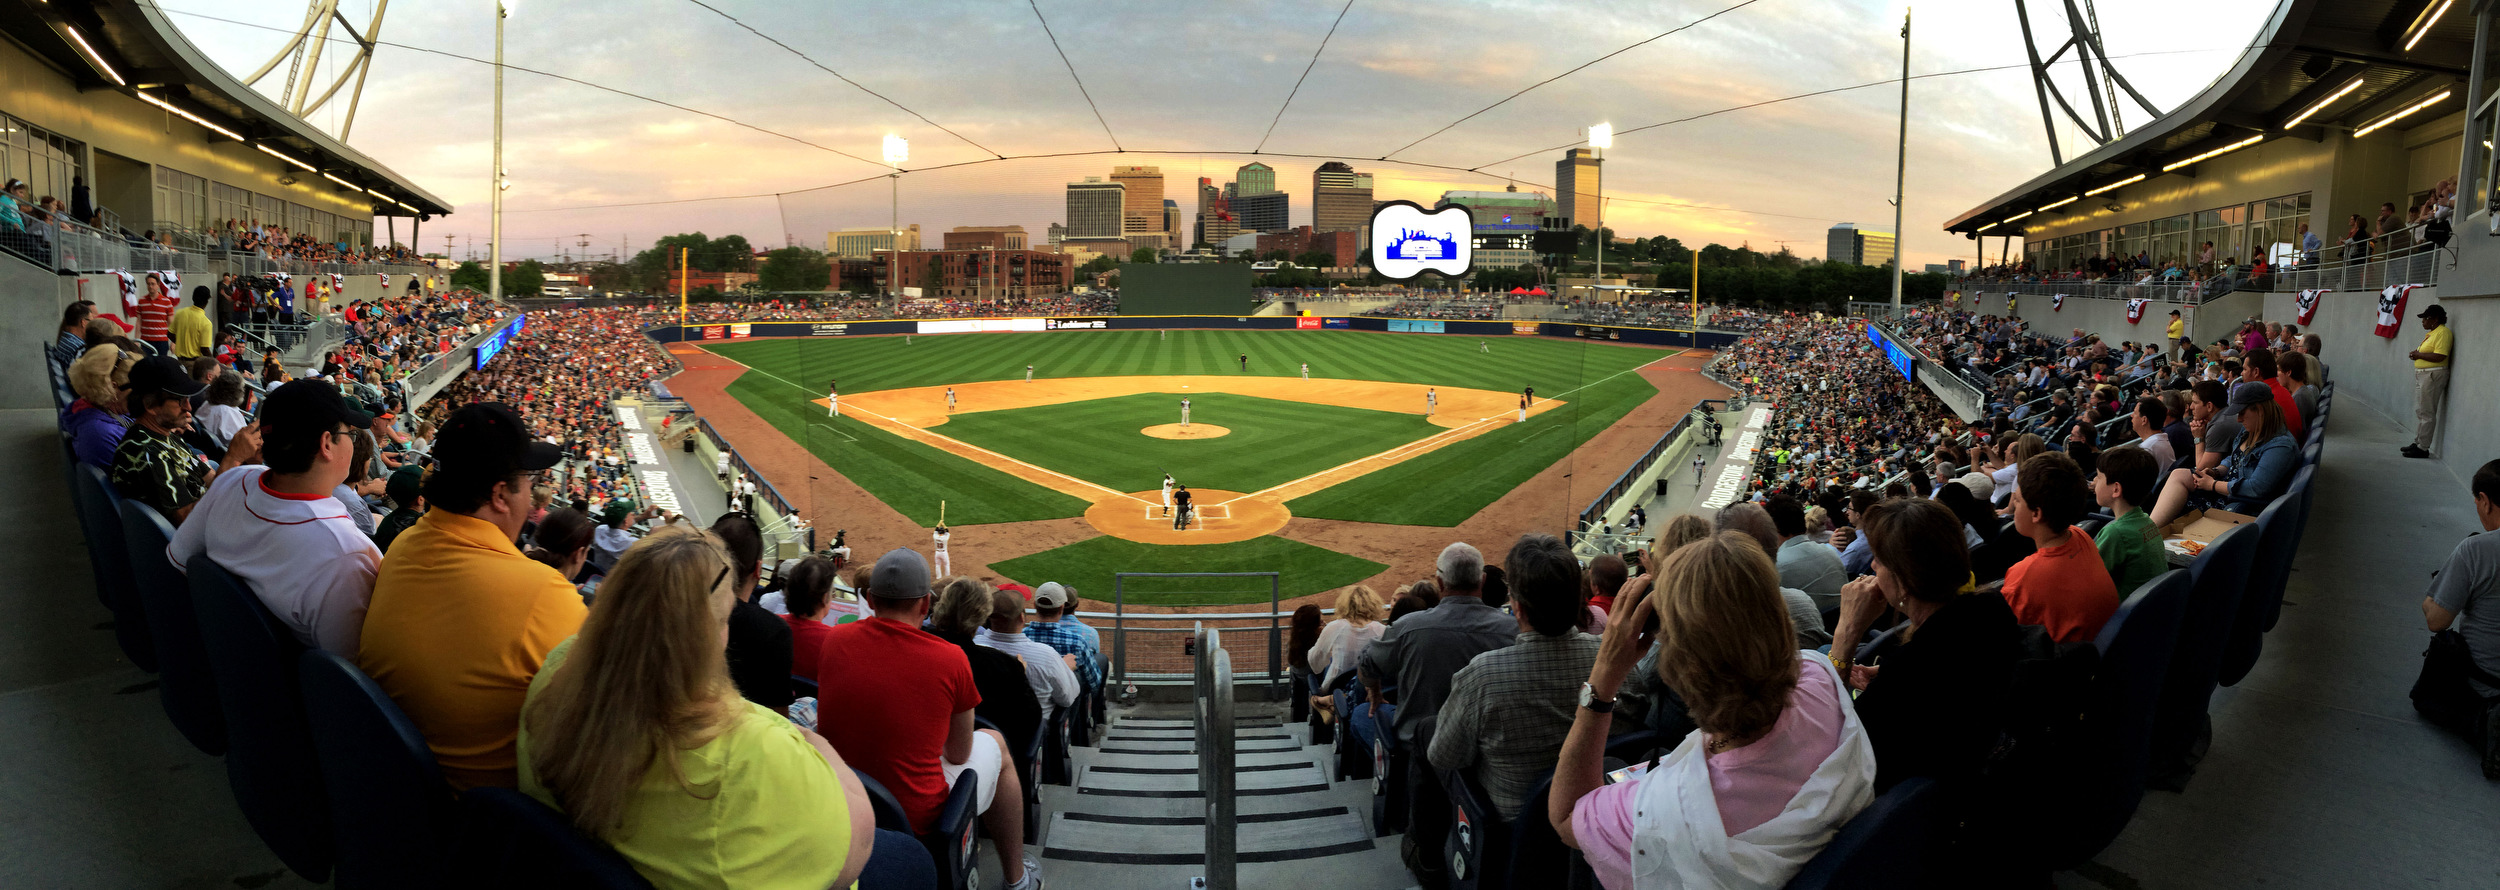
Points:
1780	761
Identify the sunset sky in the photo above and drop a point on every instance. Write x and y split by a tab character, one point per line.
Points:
1192	88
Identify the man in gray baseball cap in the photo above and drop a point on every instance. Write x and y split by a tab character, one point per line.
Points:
897	701
1055	625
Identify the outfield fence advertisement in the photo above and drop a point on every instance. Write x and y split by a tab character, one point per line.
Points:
1417	326
1306	323
1337	324
1466	328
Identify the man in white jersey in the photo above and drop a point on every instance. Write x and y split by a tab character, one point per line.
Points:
1432	400
944	564
1482	347
833	399
1167	494
1306	370
1184	413
1028	373
950	398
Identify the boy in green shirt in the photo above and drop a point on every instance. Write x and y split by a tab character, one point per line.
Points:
2130	545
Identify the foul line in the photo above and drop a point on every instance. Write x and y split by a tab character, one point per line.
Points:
967	445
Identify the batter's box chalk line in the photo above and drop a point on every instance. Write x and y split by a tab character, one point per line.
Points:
1208	511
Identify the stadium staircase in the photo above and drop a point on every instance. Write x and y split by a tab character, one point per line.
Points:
1136	817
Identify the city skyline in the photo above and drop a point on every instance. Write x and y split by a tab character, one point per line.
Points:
1392	75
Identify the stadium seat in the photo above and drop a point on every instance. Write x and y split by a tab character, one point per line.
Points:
1640	745
390	810
802	687
1538	857
881	802
270	760
2261	600
1478	844
957	838
1884	846
99	518
1055	756
1389	791
2118	719
2196	665
506	839
184	684
2295	505
1026	755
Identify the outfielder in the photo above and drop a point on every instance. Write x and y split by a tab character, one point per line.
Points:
1306	370
1432	400
1167	494
943	565
950	398
1484	348
1184	413
1245	361
833	399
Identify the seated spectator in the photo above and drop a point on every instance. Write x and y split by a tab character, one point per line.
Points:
634	731
2263	369
807	590
1781	760
223	417
1856	554
1936	705
1055	625
1357	625
70	341
2130	545
2461	600
1509	709
759	641
1052	675
460	620
901	701
1419	655
1804	564
100	417
151	464
1605	575
561	541
2294	367
2255	472
615	533
2148	421
2062	585
406	489
963	606
1754	522
277	528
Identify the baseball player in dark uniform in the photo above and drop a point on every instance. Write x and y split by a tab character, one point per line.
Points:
1180	507
1245	361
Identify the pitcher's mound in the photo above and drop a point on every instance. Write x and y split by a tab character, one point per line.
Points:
1192	431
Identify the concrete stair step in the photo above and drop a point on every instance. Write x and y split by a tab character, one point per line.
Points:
1181	840
1182	781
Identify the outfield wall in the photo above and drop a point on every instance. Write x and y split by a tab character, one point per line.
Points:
888	327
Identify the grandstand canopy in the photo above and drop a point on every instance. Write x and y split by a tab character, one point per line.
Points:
134	41
2309	52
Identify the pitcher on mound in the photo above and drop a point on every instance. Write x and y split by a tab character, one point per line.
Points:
1184	414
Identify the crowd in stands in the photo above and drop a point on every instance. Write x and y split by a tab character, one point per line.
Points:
275	242
563	370
847	307
29	224
2393	232
1841	414
1481	307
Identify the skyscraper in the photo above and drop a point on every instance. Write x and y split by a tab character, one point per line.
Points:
1846	243
1095	208
1341	199
1141	211
1508	213
1171	220
1264	212
1576	186
1215	216
1254	178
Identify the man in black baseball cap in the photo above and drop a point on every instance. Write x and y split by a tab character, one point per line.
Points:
2430	377
152	465
485	464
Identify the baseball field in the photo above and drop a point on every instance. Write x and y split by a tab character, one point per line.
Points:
1059	477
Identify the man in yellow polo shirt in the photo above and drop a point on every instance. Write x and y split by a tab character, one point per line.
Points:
2430	377
460	620
2177	333
191	329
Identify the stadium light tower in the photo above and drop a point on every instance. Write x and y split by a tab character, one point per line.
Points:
494	223
897	150
1601	137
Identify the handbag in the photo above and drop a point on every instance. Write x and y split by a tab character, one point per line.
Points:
2442	692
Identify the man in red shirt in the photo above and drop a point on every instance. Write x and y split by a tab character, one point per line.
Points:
2262	364
897	702
2062	586
156	315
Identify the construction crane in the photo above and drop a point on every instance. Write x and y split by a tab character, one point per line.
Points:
304	52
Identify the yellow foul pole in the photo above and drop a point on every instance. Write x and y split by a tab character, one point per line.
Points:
681	286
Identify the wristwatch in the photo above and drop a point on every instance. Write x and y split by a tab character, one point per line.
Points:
1589	700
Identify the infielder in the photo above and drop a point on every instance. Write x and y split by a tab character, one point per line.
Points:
1167	494
1028	373
1306	370
1523	408
1432	400
833	399
1184	413
950	398
943	565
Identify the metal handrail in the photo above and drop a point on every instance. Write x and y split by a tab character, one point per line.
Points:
1216	779
1122	617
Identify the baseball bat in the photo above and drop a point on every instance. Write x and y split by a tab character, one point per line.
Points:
941	513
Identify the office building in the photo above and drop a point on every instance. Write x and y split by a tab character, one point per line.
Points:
1513	214
1058	232
1264	212
1094	209
866	242
986	274
1846	243
984	238
1576	186
1341	199
1346	247
1215	215
1254	178
1141	208
1171	220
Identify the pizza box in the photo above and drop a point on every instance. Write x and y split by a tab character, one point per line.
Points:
2189	535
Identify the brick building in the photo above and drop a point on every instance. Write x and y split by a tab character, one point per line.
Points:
986	274
1346	245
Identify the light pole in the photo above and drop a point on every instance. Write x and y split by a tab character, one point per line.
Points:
1601	137
897	150
1901	166
494	223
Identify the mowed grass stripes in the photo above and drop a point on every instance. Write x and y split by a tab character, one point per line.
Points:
1272	442
1442	488
1089	566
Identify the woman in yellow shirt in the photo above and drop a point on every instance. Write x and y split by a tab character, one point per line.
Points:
634	730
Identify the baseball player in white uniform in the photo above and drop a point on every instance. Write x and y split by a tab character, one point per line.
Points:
942	564
1028	373
1432	400
1184	413
1523	408
1698	465
950	398
1306	370
1167	494
1484	348
833	399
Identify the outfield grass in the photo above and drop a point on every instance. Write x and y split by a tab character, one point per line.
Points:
1272	442
1089	565
1442	488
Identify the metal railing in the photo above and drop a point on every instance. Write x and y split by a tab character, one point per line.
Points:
1136	657
1594	514
1214	712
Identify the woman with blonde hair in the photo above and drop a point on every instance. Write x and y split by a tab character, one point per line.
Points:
98	418
633	729
1780	761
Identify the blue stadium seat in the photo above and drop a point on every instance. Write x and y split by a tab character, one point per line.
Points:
270	760
882	803
802	687
957	838
185	684
506	839
2218	576
2135	647
1538	857
390	810
1883	847
1054	756
99	518
1639	745
1478	845
2261	600
2283	542
1389	792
